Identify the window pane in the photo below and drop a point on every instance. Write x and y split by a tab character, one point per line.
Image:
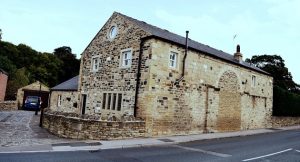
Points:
126	58
114	101
173	58
119	102
103	100
108	101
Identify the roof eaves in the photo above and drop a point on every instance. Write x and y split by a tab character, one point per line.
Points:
210	54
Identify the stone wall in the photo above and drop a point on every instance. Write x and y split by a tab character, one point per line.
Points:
78	128
111	77
214	95
69	101
3	83
8	105
284	121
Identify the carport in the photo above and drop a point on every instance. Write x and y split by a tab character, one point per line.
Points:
34	89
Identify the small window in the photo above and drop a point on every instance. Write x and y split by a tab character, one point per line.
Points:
173	60
113	32
104	101
119	102
95	64
109	101
253	83
126	58
112	101
59	100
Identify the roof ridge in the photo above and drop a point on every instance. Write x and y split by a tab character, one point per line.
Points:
175	38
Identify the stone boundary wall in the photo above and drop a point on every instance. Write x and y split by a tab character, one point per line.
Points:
8	106
79	128
284	121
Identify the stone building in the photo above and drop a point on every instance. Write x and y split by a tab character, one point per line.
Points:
3	83
33	89
64	96
176	85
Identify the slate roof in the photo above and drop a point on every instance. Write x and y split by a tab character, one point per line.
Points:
69	85
172	37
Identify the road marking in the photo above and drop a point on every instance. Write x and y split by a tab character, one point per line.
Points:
202	151
275	153
297	150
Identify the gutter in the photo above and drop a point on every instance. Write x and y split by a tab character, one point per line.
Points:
184	58
138	75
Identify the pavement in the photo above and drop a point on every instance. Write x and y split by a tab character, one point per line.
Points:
25	136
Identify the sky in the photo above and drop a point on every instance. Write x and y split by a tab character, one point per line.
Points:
261	26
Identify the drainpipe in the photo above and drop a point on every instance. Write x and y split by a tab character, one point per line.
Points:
184	58
138	76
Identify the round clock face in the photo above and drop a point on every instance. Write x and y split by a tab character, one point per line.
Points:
113	32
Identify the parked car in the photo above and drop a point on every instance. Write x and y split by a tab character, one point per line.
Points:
32	103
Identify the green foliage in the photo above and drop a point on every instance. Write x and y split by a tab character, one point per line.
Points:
285	103
275	65
286	93
70	66
17	80
25	65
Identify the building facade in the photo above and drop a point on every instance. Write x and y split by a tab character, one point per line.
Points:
64	96
176	85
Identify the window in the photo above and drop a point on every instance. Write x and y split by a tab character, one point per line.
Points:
119	102
253	83
104	101
173	60
126	58
95	63
59	100
113	32
109	101
112	101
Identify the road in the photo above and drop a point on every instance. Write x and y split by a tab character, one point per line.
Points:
276	146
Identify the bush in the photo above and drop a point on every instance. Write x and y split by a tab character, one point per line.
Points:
285	103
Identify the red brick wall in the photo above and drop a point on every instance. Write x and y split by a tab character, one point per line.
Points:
3	82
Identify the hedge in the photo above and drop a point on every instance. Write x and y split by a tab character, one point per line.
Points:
285	103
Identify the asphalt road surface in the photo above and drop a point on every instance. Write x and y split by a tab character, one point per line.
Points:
279	146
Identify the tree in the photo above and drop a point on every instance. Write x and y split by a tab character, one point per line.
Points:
26	65
275	65
17	80
70	66
0	34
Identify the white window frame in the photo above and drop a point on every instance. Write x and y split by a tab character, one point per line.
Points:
253	80
59	99
110	35
173	62
128	58
113	31
93	63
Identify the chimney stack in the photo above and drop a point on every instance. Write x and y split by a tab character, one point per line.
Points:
238	55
